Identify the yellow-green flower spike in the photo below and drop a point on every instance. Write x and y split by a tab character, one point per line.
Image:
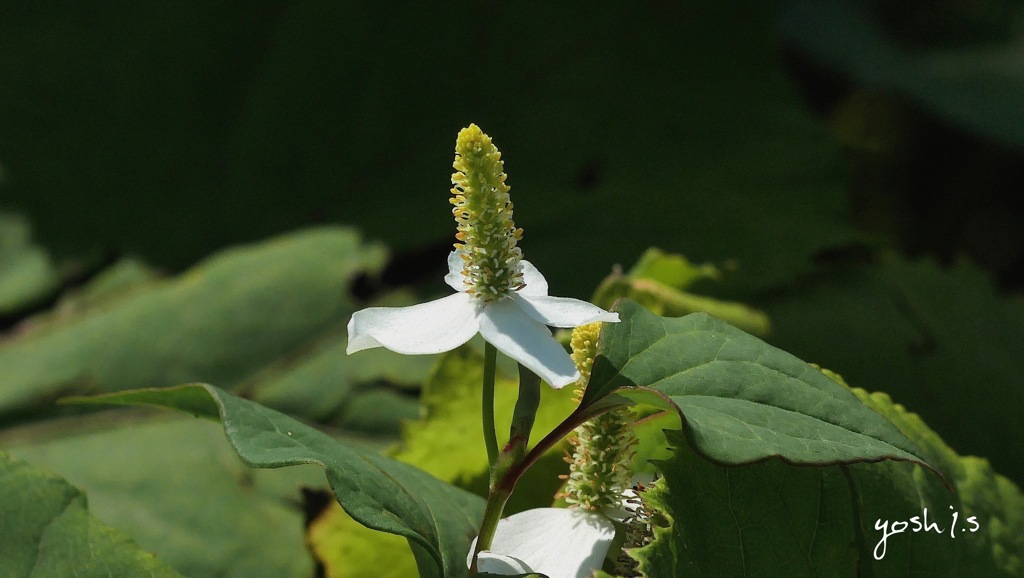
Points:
600	467
584	349
483	214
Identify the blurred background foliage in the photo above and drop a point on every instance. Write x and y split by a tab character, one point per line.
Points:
852	169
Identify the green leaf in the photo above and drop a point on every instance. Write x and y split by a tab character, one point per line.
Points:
439	520
46	532
373	392
771	519
27	274
890	493
345	548
176	486
277	294
673	270
741	400
656	282
448	441
765	519
943	340
652	447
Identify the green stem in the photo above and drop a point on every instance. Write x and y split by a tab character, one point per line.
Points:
492	513
490	434
525	413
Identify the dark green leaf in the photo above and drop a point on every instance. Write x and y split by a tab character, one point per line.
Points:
770	519
940	339
948	542
741	399
764	519
439	520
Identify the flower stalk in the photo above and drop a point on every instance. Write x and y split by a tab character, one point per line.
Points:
487	407
502	297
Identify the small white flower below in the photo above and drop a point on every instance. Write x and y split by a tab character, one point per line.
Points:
557	542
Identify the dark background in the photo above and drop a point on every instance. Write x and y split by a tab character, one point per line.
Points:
854	166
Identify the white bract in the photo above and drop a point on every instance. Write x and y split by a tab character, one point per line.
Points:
515	323
557	542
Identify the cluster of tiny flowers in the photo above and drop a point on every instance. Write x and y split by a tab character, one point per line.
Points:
603	448
483	214
639	532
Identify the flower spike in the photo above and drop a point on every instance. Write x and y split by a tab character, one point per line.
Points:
498	293
600	467
483	216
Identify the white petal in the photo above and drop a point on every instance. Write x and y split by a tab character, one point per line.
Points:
454	278
433	327
498	564
563	311
536	284
558	542
506	326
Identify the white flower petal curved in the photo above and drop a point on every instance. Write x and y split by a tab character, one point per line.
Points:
454	278
506	326
499	564
558	542
563	311
432	327
535	282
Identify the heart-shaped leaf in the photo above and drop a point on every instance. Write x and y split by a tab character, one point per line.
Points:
890	519
741	400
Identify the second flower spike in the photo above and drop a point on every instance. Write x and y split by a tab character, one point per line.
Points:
498	293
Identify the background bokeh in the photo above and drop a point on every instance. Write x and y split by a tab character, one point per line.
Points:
853	168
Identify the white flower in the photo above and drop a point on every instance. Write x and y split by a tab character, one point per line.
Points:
558	542
514	323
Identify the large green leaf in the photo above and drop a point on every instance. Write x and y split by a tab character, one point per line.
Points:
223	320
176	486
766	519
941	339
770	519
741	399
447	443
438	519
890	494
46	531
